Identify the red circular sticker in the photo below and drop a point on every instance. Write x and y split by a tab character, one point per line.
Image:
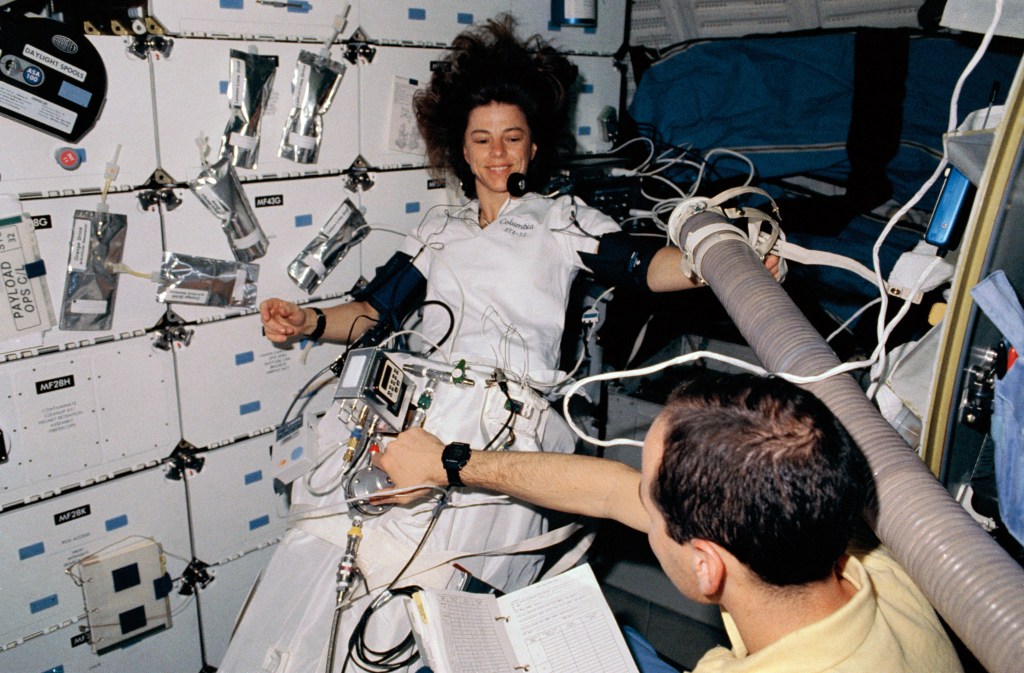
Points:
68	158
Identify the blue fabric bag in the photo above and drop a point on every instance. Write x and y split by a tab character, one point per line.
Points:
997	299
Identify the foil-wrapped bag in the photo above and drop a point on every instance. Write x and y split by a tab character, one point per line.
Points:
97	245
220	190
314	84
251	78
344	229
187	279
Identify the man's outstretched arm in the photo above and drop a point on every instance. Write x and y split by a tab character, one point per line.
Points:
585	485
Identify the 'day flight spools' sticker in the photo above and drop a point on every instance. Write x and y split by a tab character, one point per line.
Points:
51	77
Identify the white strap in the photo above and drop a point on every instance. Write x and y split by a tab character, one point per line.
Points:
795	253
379	546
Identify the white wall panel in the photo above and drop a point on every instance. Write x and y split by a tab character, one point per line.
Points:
222	600
233	502
601	85
82	415
29	161
398	202
235	383
135	305
385	123
535	17
192	101
66	650
424	21
299	209
312	19
42	539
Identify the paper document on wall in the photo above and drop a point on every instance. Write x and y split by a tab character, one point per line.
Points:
559	625
26	307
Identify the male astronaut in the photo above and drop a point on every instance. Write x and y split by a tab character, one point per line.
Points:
750	492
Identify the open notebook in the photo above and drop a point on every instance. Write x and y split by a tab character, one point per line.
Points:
560	625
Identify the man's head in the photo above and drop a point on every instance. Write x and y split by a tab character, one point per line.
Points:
759	467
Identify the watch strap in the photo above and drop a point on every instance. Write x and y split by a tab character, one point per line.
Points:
321	325
453	459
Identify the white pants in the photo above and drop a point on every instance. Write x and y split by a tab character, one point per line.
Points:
286	626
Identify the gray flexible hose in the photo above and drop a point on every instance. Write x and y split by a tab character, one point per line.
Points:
969	579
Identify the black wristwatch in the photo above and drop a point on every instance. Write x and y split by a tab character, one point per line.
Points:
454	458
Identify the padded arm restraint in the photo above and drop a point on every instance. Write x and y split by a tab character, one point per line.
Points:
622	260
394	292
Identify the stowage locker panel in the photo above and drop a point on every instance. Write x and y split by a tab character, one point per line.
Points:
205	88
232	495
291	213
235	383
41	540
130	308
36	163
81	415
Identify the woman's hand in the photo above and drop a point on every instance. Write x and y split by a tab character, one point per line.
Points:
282	320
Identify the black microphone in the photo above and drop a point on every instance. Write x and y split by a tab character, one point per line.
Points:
516	184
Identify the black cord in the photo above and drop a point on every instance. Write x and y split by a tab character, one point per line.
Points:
451	321
384	661
298	395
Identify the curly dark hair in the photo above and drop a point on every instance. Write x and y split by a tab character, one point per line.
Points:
489	63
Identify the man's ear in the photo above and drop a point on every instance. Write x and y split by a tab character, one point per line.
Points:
708	567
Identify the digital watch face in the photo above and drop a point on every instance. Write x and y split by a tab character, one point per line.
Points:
51	77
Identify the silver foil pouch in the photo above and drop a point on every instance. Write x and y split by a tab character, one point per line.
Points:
220	190
187	279
343	230
250	81
97	244
314	84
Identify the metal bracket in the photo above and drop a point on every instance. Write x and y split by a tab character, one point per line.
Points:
184	457
358	176
979	386
195	574
358	47
159	188
170	330
142	45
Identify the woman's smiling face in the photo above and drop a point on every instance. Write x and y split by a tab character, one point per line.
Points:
497	143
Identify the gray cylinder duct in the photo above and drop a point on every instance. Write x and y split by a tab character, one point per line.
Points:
969	579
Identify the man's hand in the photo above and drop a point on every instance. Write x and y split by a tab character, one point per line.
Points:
413	458
282	320
771	262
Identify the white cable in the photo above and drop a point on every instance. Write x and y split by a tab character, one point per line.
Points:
882	329
853	317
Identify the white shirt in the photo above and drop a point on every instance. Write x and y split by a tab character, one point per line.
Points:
508	283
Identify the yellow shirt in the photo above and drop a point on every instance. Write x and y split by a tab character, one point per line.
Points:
887	627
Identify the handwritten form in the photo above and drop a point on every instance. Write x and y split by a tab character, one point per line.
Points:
560	625
566	626
474	638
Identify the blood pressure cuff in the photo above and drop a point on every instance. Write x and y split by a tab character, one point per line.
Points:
622	260
395	291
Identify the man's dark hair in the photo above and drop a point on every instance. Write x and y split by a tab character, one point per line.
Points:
764	469
488	64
